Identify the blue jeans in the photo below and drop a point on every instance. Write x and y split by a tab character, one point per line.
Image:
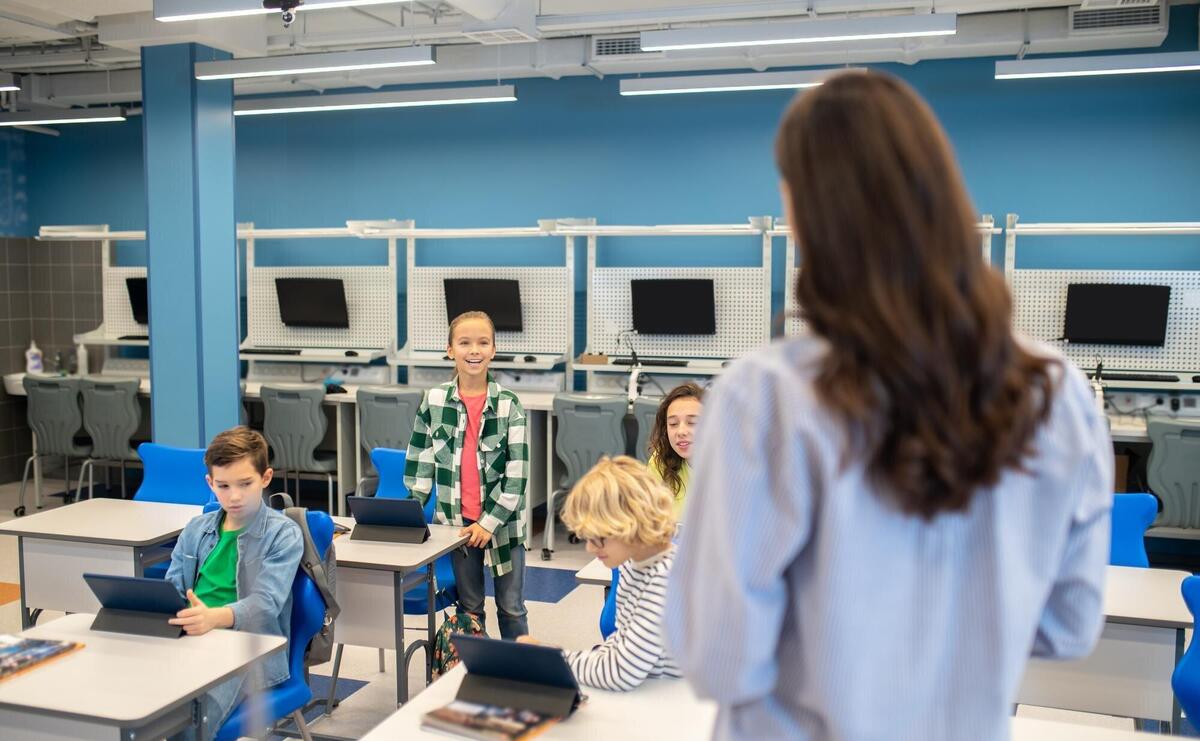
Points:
510	589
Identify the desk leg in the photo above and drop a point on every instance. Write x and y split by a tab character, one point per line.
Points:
1176	711
431	636
26	617
549	474
401	662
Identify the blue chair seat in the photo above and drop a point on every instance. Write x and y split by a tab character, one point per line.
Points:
608	615
415	602
1132	514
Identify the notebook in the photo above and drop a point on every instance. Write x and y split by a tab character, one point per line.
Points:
486	722
19	654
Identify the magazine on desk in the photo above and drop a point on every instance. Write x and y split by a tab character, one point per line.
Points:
18	654
486	722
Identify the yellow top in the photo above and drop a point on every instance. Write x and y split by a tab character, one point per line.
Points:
684	474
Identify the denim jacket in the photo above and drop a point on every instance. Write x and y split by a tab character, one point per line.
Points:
269	551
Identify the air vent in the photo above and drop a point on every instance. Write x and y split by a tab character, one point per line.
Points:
1118	19
617	46
494	36
1106	4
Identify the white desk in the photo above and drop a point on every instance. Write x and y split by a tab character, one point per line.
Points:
372	579
119	685
659	709
595	573
98	536
1129	672
1128	428
1032	729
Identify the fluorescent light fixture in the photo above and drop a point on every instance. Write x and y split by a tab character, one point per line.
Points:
72	116
802	32
199	10
9	81
1113	64
298	64
728	83
359	101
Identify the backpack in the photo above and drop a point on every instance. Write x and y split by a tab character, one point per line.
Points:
445	656
323	573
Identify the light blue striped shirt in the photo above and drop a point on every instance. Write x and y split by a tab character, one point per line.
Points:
809	608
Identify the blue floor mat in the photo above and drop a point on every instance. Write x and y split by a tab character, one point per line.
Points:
542	585
320	689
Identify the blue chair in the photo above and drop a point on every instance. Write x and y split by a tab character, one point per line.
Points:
1131	516
1186	678
608	615
171	476
308	615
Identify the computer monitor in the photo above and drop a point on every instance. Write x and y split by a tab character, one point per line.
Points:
674	306
1116	314
138	300
312	302
499	298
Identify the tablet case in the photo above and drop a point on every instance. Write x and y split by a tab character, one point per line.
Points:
388	520
516	675
137	606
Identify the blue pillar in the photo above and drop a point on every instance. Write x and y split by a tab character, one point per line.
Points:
192	240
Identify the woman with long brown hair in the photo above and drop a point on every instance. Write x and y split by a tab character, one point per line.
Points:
671	439
892	513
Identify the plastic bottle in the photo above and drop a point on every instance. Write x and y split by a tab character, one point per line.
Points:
81	359
33	359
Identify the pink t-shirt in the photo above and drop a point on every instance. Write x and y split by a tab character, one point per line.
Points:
468	484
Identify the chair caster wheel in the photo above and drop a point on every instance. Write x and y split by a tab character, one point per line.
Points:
19	511
546	554
573	539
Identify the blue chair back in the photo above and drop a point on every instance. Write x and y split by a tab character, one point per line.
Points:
173	475
390	465
608	615
1186	678
1131	515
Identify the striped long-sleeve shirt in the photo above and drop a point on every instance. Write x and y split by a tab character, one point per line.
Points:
636	651
810	608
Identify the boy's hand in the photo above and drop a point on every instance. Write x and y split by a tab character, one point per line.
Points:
528	639
477	535
199	618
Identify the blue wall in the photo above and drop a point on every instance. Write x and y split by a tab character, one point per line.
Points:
14	196
1104	149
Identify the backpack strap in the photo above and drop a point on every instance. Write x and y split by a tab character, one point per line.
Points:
311	561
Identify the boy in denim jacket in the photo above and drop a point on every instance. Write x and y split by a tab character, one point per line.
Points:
236	565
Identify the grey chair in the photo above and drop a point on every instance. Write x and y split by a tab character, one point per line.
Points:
590	426
645	409
55	417
1174	470
294	425
111	416
385	420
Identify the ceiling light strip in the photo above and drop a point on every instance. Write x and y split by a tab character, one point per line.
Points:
361	101
299	64
73	116
1112	64
729	83
169	11
802	32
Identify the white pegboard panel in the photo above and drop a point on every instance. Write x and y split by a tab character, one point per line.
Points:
118	314
546	294
740	295
1040	298
370	302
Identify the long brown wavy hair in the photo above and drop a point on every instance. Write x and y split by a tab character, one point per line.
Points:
922	364
659	447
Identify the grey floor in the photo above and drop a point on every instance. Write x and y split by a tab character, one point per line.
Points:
570	623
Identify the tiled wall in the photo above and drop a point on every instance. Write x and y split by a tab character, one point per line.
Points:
49	291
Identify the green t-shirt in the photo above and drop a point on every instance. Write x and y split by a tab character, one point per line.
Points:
684	474
216	585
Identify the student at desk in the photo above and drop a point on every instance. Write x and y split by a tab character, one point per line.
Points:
627	519
890	514
236	565
672	437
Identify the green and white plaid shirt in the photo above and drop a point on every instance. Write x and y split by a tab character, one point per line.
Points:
435	454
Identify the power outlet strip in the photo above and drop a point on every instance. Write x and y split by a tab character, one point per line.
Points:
1128	402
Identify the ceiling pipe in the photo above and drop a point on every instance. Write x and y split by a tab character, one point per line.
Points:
484	10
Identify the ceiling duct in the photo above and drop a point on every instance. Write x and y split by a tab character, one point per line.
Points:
621	46
515	23
1085	21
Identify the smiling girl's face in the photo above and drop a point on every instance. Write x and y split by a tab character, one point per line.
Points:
472	348
682	416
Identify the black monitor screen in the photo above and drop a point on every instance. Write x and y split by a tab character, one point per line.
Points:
138	300
312	302
1116	314
674	306
499	299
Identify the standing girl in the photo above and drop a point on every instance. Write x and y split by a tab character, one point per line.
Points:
671	440
895	511
469	437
